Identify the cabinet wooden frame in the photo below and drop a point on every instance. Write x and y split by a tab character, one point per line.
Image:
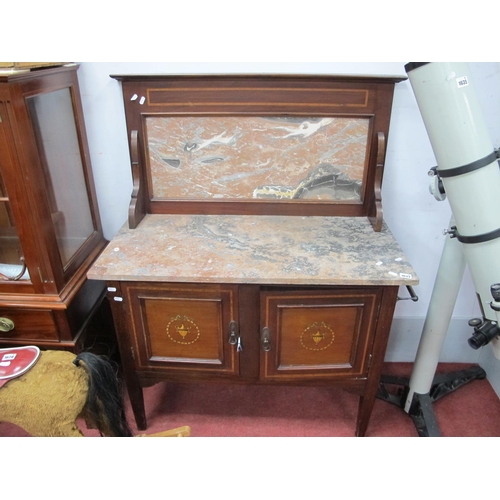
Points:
300	331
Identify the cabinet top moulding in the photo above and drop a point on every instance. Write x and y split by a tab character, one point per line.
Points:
257	144
273	76
13	74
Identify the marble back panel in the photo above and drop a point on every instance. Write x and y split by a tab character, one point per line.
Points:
257	157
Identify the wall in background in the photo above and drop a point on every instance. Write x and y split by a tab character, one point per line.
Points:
416	219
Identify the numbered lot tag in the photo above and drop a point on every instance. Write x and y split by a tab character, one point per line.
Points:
463	81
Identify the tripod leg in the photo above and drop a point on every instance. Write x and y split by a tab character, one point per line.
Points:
423	416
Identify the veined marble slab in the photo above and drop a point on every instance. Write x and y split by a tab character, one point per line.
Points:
245	157
255	249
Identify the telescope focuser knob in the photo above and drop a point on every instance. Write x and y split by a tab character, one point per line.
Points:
475	322
436	186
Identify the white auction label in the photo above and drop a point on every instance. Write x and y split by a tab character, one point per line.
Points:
463	81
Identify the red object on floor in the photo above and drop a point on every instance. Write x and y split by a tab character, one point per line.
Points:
15	361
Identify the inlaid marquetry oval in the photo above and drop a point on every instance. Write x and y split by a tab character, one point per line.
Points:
182	330
317	337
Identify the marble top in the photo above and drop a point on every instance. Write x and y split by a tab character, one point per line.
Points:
255	249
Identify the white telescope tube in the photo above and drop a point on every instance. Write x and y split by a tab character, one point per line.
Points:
459	137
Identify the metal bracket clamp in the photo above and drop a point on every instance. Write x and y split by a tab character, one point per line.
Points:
470	167
479	238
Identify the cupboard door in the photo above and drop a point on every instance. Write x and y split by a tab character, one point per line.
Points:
190	330
314	334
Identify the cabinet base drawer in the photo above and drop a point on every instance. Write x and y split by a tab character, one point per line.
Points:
28	325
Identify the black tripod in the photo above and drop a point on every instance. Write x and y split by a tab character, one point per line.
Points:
421	410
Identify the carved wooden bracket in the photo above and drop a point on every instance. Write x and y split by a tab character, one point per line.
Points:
136	209
376	213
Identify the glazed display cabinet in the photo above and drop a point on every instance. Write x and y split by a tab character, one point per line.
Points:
50	230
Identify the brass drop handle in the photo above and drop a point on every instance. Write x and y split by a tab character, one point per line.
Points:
6	325
234	336
233	333
265	341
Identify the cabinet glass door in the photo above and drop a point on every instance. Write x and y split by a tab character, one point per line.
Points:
12	267
53	119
